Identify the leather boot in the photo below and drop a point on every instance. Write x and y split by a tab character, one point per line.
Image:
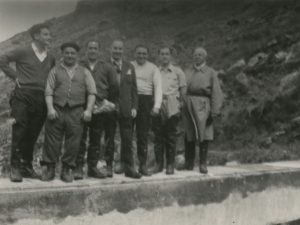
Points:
190	148
144	171
15	173
27	171
66	174
170	169
132	173
78	173
48	174
109	169
95	173
119	169
203	156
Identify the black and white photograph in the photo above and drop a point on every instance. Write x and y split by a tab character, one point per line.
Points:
152	112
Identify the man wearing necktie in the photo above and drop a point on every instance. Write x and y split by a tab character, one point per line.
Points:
126	107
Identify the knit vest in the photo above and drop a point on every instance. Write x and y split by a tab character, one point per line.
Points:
67	91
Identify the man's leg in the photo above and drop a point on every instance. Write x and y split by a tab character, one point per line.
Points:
170	135
37	120
95	133
110	126
73	134
190	149
159	143
142	128
19	130
125	125
203	150
78	173
54	133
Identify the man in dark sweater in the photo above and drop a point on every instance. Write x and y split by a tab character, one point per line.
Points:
33	63
105	78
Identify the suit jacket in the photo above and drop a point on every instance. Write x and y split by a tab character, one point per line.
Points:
127	96
105	78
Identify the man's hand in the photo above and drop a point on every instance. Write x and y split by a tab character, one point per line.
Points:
155	111
52	114
133	113
87	116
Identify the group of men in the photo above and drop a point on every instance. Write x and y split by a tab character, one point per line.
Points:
65	93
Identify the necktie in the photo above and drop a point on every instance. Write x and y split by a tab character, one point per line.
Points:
117	67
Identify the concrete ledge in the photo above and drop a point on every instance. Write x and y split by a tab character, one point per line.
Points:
58	202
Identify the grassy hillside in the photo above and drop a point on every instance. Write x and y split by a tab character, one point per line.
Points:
257	123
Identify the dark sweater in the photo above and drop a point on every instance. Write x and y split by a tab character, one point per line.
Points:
106	81
30	71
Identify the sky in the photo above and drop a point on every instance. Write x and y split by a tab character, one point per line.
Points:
19	15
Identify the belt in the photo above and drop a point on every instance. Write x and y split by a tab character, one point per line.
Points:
198	95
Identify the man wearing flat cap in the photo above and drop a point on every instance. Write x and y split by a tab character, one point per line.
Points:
33	63
66	89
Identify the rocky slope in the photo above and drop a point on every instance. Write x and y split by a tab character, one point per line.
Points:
255	46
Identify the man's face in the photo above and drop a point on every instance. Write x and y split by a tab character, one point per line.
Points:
117	50
199	56
141	55
70	55
92	51
165	56
43	37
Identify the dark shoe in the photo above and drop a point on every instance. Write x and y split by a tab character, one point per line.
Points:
203	169
189	167
109	170
170	169
78	173
144	171
95	173
15	173
27	171
158	168
119	169
66	174
131	172
48	174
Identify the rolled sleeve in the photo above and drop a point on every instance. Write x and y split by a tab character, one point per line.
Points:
181	79
50	84
90	83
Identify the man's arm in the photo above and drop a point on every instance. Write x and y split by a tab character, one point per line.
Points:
216	96
12	56
49	91
91	90
134	90
157	83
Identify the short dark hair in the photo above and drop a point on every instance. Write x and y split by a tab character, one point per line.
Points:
70	44
92	40
141	46
36	29
166	47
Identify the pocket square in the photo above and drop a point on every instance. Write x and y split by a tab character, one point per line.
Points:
128	72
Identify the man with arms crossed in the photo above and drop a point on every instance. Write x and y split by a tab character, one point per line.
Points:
66	89
148	81
126	104
105	78
33	63
166	123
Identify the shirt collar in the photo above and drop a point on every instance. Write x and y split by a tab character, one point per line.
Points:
35	49
66	68
169	68
92	64
199	67
120	62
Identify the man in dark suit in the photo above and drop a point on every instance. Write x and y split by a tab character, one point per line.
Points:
104	75
126	106
33	63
